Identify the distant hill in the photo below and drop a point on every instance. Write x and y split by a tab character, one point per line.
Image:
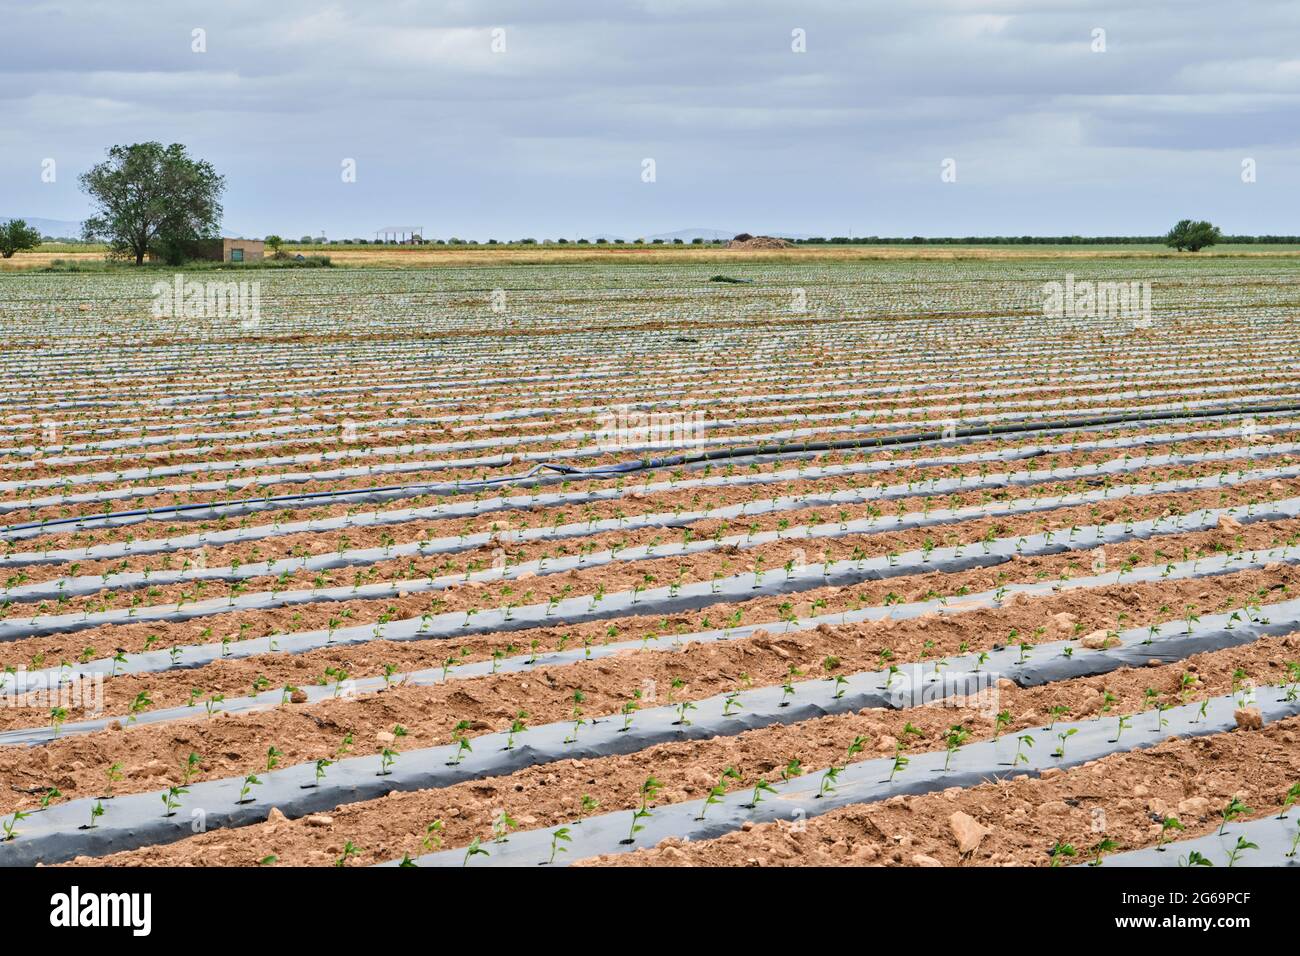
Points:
697	232
58	228
686	235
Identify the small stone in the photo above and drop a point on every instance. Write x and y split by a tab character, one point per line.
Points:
319	820
922	860
968	832
384	737
1193	807
298	696
1097	640
276	816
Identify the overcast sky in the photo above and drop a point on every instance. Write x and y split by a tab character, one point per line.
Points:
549	137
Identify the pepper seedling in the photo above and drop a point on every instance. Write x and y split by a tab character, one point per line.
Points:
250	782
517	726
647	793
719	790
1289	800
760	788
559	836
1059	752
474	849
1232	811
957	736
1061	850
349	850
171	799
1099	849
12	822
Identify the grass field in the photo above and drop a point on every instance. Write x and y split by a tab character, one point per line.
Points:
430	256
541	556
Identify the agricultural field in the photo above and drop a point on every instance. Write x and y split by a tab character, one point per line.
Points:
809	560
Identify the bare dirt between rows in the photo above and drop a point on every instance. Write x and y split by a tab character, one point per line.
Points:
551	795
1123	797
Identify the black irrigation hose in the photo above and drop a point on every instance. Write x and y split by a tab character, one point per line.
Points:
648	464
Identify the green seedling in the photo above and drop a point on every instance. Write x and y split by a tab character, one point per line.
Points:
900	763
1232	811
719	790
96	812
113	775
956	737
273	755
1024	740
459	738
502	824
12	822
682	720
1059	752
587	806
517	726
1167	826
1242	846
647	793
628	711
1123	724
559	836
1100	849
841	684
1056	713
171	800
1289	800
1060	851
473	850
827	785
760	788
250	782
321	765
349	850
1194	859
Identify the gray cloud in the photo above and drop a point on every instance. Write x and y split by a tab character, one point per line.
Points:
547	138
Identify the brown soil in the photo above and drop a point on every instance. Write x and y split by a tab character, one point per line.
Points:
1132	792
549	795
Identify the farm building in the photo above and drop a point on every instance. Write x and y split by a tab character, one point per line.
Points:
229	250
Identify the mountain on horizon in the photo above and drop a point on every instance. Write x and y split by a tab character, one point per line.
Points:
57	228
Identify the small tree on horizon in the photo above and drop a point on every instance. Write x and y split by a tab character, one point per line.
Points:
15	236
1192	235
152	198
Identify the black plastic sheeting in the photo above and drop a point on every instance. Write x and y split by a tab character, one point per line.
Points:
562	472
866	782
1135	648
136	819
660	601
1276	839
85	585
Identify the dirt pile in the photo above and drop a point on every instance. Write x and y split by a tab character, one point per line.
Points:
746	241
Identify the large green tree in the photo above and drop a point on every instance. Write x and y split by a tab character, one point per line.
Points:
152	198
1192	236
15	236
